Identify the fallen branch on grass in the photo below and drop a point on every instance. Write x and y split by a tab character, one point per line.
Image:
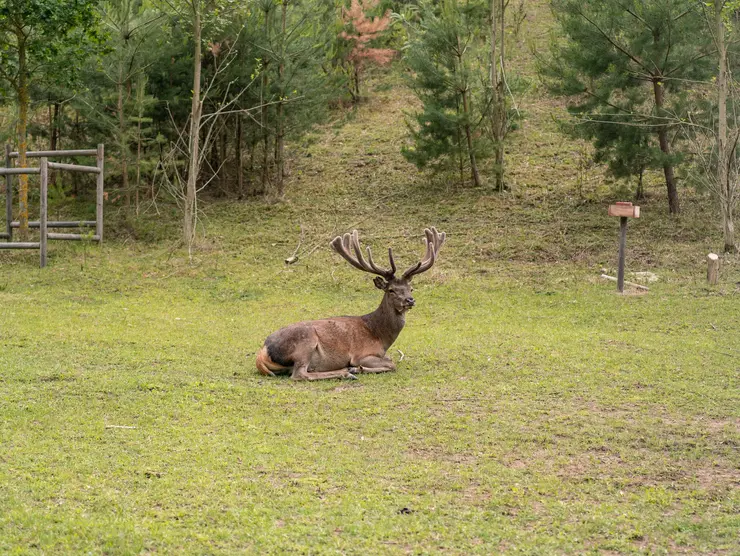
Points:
638	286
294	257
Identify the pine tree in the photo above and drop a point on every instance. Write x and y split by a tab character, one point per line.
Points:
627	65
131	29
360	33
291	87
442	53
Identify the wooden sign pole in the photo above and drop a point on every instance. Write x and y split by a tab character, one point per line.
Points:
622	246
624	211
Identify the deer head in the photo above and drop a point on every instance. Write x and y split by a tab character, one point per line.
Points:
397	290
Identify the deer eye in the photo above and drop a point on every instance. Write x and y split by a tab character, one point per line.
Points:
391	290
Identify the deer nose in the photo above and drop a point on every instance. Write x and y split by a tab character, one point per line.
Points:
410	301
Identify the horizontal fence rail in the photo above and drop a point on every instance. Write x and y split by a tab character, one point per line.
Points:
20	245
74	168
54	224
55	154
14	171
73	237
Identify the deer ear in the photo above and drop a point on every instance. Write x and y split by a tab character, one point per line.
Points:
380	283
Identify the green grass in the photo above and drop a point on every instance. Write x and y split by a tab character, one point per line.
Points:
535	410
560	419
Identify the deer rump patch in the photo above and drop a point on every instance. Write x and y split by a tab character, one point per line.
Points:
279	348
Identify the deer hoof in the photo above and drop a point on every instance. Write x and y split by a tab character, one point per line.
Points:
350	376
354	370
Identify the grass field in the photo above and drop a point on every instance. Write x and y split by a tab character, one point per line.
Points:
534	411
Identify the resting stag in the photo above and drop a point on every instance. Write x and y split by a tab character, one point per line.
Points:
341	347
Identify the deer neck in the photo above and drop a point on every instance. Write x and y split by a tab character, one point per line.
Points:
385	322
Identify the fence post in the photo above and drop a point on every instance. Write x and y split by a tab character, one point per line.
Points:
44	167
8	195
712	269
99	201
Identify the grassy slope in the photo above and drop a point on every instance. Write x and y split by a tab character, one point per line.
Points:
534	409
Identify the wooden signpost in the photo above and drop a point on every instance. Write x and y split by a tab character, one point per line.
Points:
624	211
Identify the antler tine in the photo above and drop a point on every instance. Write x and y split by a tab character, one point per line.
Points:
390	258
358	251
388	274
375	267
434	241
341	246
435	238
347	243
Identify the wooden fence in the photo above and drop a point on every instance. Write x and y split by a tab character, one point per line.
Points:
43	224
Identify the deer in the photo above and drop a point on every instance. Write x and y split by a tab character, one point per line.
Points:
342	347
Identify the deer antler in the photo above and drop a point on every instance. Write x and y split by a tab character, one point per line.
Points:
434	241
342	244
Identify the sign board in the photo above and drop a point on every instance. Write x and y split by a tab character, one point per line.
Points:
625	210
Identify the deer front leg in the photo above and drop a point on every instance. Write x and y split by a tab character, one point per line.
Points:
300	372
374	364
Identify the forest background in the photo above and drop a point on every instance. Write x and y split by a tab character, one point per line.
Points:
197	99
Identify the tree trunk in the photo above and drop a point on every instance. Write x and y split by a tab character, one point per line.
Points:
223	175
502	113
265	131
56	132
239	158
498	98
50	115
469	138
215	163
190	209
466	118
138	158
726	189
356	82
54	136
122	143
264	115
658	90
265	152
728	229
75	140
640	193
721	98
460	160
251	186
23	102
280	118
